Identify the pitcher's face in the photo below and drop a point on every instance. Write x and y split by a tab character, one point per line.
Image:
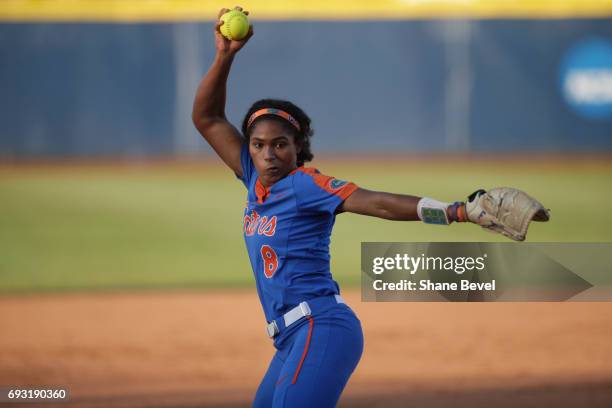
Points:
273	150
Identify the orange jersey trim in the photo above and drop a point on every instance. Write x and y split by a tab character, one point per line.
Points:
262	192
325	182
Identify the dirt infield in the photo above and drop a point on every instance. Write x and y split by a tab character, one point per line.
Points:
200	349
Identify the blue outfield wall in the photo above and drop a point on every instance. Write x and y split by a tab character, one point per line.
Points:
435	85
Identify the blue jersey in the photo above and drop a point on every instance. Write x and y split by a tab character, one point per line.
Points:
287	229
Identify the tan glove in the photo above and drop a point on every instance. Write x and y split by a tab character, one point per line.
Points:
505	210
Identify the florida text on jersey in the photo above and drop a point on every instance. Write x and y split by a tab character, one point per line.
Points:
287	229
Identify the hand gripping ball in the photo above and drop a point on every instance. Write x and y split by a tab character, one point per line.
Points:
235	25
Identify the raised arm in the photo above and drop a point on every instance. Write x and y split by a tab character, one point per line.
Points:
209	105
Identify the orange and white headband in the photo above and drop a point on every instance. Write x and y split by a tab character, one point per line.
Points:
275	112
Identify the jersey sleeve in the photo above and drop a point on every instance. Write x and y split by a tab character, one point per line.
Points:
316	192
247	165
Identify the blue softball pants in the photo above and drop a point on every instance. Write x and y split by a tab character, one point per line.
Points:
313	361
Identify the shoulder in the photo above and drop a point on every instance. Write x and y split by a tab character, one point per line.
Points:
310	178
249	173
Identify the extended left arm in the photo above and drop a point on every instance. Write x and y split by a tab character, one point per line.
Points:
505	210
396	207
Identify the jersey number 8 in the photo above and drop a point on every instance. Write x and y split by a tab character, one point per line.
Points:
270	260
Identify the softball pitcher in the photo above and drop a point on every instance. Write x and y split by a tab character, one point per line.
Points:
288	220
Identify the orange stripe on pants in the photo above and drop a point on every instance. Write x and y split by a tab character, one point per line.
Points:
297	371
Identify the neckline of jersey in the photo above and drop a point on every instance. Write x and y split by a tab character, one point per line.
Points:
262	192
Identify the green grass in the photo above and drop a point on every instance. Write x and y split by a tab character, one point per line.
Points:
73	228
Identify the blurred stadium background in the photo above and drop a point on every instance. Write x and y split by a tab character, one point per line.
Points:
104	183
106	187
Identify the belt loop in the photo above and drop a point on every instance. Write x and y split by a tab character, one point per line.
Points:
305	309
272	329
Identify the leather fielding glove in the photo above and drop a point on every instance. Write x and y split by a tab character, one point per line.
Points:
505	210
